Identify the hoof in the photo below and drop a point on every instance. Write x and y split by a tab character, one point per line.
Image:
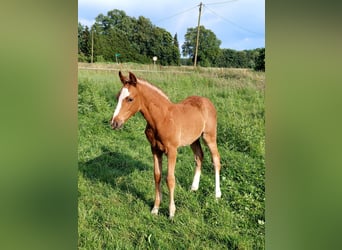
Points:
194	188
154	211
171	217
218	194
172	214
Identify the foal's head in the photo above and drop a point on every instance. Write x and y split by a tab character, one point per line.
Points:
128	101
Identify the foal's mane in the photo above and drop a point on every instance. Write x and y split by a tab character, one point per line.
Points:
153	88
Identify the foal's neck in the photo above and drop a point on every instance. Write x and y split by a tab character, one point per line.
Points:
155	105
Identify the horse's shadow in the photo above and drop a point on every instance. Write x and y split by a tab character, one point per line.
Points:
115	168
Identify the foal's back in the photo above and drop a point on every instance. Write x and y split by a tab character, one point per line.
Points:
193	117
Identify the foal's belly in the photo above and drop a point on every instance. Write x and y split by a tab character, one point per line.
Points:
186	123
190	133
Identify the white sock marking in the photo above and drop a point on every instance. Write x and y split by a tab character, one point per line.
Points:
195	183
124	93
217	185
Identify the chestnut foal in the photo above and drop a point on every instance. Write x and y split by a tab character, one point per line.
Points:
169	126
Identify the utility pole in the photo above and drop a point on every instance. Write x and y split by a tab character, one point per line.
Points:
92	45
198	32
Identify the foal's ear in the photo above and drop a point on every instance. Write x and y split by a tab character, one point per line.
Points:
132	78
122	78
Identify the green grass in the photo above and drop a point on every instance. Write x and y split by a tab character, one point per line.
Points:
116	186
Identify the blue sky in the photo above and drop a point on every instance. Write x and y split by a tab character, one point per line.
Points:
239	24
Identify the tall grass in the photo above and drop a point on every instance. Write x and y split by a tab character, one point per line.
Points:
116	189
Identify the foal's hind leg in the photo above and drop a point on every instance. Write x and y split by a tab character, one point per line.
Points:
196	148
157	159
210	139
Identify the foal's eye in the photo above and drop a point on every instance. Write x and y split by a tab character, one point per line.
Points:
129	99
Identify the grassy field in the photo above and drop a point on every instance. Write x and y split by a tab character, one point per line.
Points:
115	183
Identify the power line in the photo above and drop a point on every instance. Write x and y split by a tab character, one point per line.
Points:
213	12
224	2
199	18
231	22
174	15
184	11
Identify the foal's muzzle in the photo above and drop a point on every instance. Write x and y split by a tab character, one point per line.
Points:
116	124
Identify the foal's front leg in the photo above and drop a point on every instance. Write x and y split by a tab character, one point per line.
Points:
157	159
171	181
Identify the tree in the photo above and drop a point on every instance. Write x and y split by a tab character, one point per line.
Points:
260	60
176	53
208	49
226	58
240	59
175	41
84	42
136	40
79	36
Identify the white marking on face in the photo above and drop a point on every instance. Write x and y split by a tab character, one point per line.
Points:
124	93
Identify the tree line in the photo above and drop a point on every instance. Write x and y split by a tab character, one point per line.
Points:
118	37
